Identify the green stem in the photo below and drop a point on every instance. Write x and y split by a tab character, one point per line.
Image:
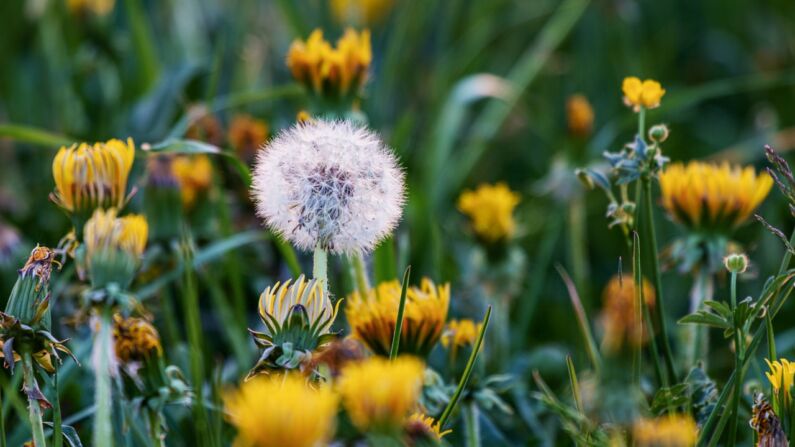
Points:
642	123
320	266
578	245
36	422
639	304
472	424
362	283
2	420
57	423
656	278
155	429
393	352
103	346
737	363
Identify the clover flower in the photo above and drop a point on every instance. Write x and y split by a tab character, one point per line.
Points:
247	135
459	334
135	339
92	176
281	411
329	184
373	317
378	394
490	208
194	175
670	431
579	115
639	93
620	313
114	247
333	72
710	197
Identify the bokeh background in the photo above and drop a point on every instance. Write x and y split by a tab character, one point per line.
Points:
465	91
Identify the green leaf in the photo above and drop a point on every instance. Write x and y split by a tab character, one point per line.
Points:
34	136
706	318
670	397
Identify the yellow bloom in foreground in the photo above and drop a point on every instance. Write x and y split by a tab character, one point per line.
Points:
194	175
620	315
460	333
425	424
372	318
579	114
281	412
360	11
92	176
665	431
277	303
490	208
639	93
378	394
781	376
135	339
332	71
712	197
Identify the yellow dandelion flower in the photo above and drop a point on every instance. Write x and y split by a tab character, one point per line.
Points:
665	431
421	425
639	93
712	197
135	339
620	315
372	318
114	246
247	135
335	71
92	176
378	394
360	11
460	333
781	375
277	303
490	208
580	116
194	175
281	412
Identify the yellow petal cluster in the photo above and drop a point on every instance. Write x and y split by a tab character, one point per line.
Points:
460	333
372	318
579	115
620	314
378	394
490	208
428	425
92	176
135	339
194	175
277	302
276	411
333	71
667	431
107	231
710	196
639	93
781	376
360	11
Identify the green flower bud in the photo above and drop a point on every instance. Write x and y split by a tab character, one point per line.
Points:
658	133
736	262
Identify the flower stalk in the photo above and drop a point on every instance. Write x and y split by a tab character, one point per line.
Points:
472	424
320	265
738	361
36	422
103	350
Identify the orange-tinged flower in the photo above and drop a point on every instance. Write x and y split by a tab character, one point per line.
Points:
194	175
360	11
580	116
639	93
247	135
135	339
620	313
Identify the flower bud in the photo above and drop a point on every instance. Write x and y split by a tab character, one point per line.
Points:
659	133
736	262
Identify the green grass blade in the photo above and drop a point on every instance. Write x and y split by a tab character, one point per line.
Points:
34	136
393	352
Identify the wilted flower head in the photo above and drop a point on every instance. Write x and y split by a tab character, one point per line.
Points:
716	198
360	11
460	333
420	426
92	176
620	313
669	431
114	247
378	394
247	135
297	317
579	114
135	339
330	184
281	412
490	208
333	72
194	175
766	424
372	318
639	93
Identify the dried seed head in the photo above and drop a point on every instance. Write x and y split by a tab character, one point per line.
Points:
329	183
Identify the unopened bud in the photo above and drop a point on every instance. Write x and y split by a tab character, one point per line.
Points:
736	263
659	133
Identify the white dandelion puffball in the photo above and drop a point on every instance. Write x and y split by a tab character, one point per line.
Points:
331	184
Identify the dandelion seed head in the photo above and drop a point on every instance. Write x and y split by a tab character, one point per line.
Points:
329	183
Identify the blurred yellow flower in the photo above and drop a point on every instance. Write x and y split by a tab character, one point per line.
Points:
331	71
247	135
579	114
194	175
425	425
360	11
281	412
135	339
490	208
639	93
106	231
620	314
713	197
372	318
460	333
98	7
204	125
378	394
665	431
92	176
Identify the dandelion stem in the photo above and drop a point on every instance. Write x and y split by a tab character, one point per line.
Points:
362	283
57	436
738	354
36	422
103	346
393	353
320	265
472	424
641	122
